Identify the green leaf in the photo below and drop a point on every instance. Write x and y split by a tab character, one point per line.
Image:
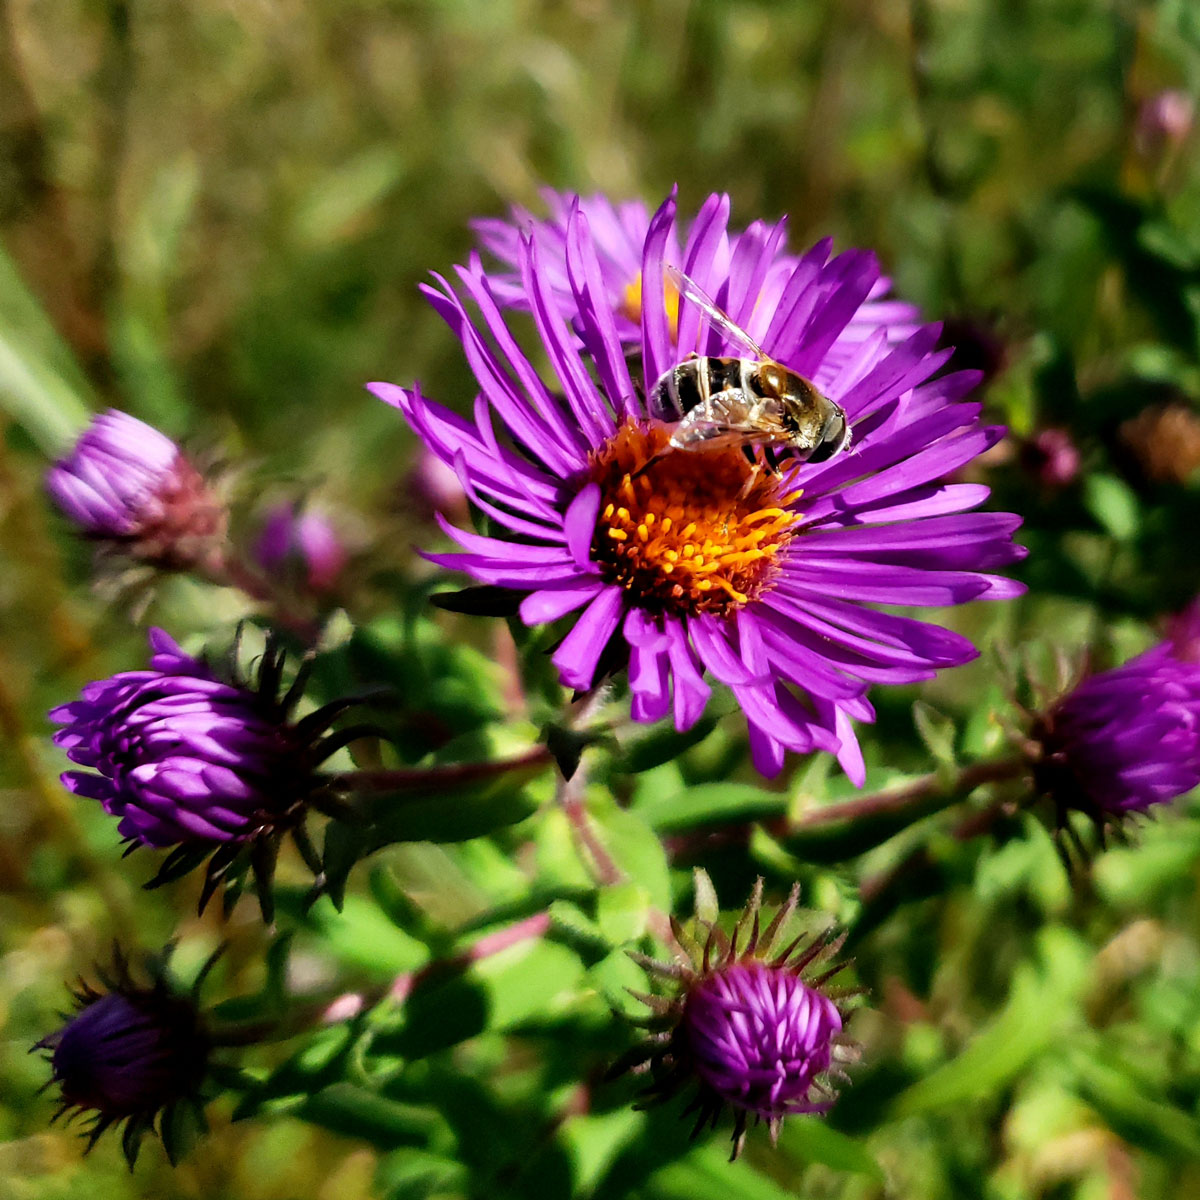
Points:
831	841
1134	1114
532	980
710	804
613	976
812	1140
570	918
1113	504
663	744
1042	999
417	1175
593	1142
633	845
320	1061
937	731
559	865
621	912
706	1172
362	935
356	1112
344	845
347	199
41	386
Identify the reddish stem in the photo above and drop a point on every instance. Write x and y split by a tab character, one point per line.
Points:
348	1005
896	800
535	926
420	778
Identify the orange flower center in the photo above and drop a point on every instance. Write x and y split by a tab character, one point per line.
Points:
687	531
631	304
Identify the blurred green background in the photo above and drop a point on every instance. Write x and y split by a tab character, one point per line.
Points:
215	215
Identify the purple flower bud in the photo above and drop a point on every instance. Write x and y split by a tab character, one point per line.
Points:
302	546
198	763
746	1026
131	1053
1052	458
1122	741
433	487
131	488
760	1038
1164	119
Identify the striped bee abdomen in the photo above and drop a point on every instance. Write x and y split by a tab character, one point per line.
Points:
693	382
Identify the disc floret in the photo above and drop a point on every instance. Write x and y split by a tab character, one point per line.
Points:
684	532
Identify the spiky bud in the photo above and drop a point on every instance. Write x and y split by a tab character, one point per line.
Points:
1122	741
203	765
751	1025
131	1052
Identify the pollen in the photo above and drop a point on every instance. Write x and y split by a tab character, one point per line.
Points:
688	531
631	304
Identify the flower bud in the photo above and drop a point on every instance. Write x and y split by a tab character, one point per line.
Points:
128	487
1122	741
760	1038
748	1025
129	1053
1164	120
1052	458
303	547
197	763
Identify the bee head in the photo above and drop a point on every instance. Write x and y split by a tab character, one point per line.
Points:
835	436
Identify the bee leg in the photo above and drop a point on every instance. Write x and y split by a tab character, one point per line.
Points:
772	459
648	464
755	467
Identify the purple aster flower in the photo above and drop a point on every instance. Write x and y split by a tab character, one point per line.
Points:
619	234
130	1053
698	562
745	1025
1123	740
205	766
130	488
303	546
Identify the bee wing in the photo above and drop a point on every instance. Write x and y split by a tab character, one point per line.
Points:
691	290
725	420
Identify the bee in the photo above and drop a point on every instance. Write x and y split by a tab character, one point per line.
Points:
752	402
